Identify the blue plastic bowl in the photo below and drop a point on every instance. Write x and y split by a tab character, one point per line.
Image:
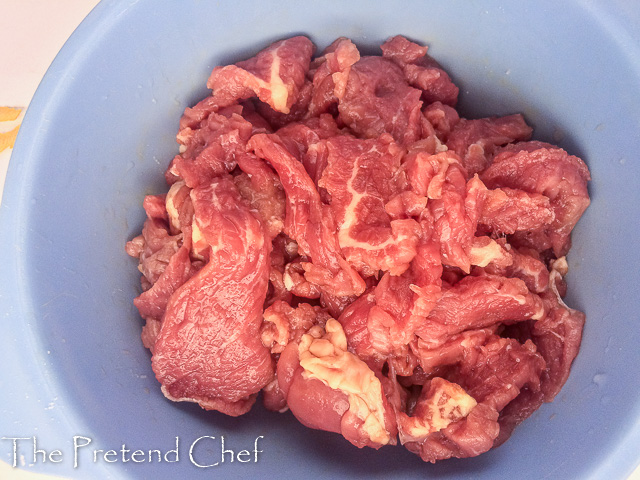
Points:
100	132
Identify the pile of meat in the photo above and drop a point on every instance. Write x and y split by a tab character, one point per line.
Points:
336	237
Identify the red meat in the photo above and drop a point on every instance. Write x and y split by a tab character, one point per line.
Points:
421	70
308	221
275	75
360	178
476	140
537	167
208	349
377	99
347	187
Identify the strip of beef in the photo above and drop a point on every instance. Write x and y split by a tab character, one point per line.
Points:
208	349
303	140
164	262
275	75
332	70
361	176
442	179
476	140
489	373
377	99
309	222
261	187
381	323
209	148
421	70
479	302
508	210
536	167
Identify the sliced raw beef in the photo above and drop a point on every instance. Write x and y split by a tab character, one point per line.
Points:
421	70
377	99
208	349
339	240
210	149
507	211
331	74
476	140
361	176
261	187
479	302
537	167
284	324
275	75
303	140
443	118
164	262
309	222
442	179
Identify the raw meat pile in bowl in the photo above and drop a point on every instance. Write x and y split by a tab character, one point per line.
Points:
336	237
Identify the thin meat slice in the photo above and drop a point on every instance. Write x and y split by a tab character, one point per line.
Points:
559	334
297	112
557	337
275	75
479	302
453	351
541	168
329	388
210	148
361	176
152	303
261	187
421	70
155	246
164	262
476	140
507	211
525	264
494	373
488	377
443	118
442	179
309	222
208	349
377	99
284	324
332	70
303	140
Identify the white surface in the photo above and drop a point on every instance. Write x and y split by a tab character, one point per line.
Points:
35	30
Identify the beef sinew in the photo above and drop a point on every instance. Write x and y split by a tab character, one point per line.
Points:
336	237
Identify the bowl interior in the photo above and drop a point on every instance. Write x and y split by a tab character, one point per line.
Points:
101	131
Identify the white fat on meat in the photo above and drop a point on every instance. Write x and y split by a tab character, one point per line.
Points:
172	208
447	403
485	250
323	356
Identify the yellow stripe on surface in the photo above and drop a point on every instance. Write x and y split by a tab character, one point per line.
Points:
7	139
8	114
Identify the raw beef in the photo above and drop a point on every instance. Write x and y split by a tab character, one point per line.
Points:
361	176
536	167
329	388
336	237
421	70
276	75
377	99
476	140
309	222
209	349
